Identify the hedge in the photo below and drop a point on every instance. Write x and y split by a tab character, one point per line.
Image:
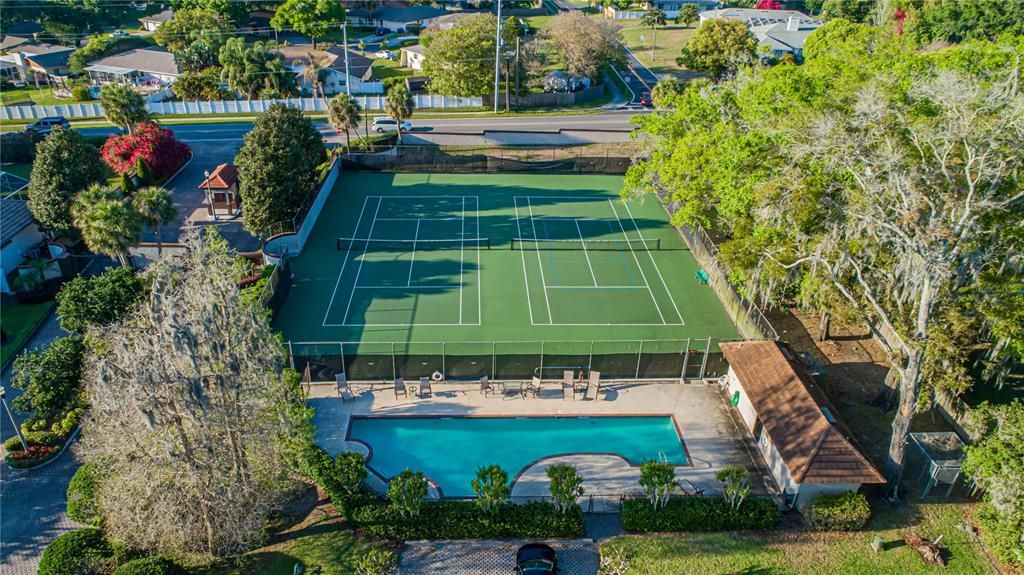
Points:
81	552
840	512
149	566
699	514
82	504
459	519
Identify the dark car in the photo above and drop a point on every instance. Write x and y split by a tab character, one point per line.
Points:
536	559
645	99
44	126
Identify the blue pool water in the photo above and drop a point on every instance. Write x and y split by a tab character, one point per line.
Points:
449	449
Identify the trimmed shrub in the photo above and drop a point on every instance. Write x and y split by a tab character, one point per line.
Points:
841	512
149	566
81	552
81	93
702	514
465	520
82	492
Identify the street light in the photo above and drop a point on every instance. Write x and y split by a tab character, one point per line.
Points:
3	399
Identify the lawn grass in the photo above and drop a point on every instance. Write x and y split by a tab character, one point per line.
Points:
320	544
18	321
669	42
387	69
802	552
42	96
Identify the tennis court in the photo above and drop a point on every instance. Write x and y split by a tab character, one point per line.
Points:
480	270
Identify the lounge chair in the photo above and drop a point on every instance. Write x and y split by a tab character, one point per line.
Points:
485	386
341	384
425	389
568	378
400	388
535	386
595	380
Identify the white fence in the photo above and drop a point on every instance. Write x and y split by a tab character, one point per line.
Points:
95	110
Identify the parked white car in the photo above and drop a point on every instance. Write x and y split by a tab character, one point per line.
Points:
382	125
384	55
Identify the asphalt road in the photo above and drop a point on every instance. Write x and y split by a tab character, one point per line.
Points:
434	130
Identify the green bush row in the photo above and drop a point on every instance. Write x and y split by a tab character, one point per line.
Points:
45	438
699	514
842	512
452	519
82	551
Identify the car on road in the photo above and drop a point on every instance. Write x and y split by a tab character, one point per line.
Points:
536	559
382	125
118	34
43	126
384	55
645	100
381	31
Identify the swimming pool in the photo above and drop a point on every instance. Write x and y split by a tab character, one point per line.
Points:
448	450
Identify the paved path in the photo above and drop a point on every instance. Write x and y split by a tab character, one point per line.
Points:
490	557
32	502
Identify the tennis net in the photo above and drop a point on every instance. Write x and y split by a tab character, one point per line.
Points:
639	244
371	245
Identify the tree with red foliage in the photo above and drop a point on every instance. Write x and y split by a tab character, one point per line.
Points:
769	5
154	145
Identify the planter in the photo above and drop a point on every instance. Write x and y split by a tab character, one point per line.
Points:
38	455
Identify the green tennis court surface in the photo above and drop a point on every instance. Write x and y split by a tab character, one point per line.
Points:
429	258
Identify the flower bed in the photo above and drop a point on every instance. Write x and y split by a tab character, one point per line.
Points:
36	455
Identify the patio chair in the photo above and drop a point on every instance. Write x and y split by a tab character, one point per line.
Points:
400	387
485	386
341	384
425	389
595	380
568	378
536	386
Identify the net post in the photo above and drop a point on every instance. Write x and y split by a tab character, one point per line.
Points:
639	355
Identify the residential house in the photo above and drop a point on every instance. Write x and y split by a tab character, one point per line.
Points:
153	21
395	18
807	449
411	57
19	233
38	64
357	80
671	8
783	31
148	70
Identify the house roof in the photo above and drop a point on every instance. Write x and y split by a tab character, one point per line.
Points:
399	13
152	60
793	412
780	38
415	49
449	20
159	17
14	217
223	177
754	17
9	42
359	66
55	58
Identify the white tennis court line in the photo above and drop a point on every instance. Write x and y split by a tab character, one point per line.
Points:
412	259
526	278
657	268
597	287
642	274
479	271
462	255
533	223
362	260
344	262
586	255
407	287
414	219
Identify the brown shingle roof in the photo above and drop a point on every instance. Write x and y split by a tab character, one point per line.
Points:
789	405
222	178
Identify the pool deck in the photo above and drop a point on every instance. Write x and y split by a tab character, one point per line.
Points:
712	437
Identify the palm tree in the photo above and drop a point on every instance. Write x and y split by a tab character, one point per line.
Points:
109	225
398	104
343	114
155	208
314	73
653	19
123	106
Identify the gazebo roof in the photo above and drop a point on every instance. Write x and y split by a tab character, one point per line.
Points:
222	178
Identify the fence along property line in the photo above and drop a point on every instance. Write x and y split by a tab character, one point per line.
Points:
744	313
95	110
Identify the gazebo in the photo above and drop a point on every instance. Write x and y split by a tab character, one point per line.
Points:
221	187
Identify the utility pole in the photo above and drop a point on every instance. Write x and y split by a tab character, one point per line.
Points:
344	40
519	90
497	61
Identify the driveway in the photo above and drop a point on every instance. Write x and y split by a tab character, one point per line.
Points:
491	557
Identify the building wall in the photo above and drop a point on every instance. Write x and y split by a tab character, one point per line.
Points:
412	60
744	406
11	254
